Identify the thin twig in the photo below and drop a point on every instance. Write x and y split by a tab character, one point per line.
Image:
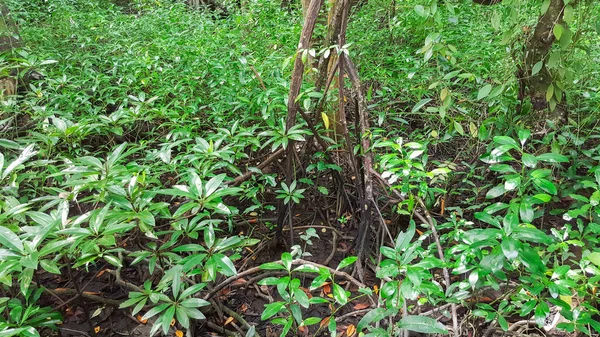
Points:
351	314
253	270
436	237
221	329
238	318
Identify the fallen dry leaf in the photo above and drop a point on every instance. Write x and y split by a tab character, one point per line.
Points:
143	321
324	322
229	320
179	333
351	330
360	306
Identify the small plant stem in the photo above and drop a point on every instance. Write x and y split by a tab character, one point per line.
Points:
250	271
291	224
238	318
80	294
436	237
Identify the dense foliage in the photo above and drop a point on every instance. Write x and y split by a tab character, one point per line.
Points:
135	167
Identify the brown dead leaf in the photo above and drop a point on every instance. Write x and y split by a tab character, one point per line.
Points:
229	320
243	308
239	281
351	330
360	306
324	322
141	320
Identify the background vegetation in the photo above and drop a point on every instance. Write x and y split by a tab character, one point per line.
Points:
151	181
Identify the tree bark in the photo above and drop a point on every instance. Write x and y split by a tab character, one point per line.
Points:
536	50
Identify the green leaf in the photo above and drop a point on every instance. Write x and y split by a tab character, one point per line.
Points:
346	262
194	303
422	324
529	160
311	321
546	185
536	68
420	104
510	248
372	316
488	218
301	297
156	310
502	322
167	318
549	92
339	294
113	260
272	266
541	312
404	238
271	310
286	258
526	211
530	258
553	158
531	234
227	267
10	240
505	140
484	91
495	192
502	168
545	6
558	30
458	127
594	258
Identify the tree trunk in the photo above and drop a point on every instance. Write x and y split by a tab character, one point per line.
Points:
536	50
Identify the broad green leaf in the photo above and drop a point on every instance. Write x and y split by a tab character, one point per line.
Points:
549	92
339	294
536	68
194	303
27	153
286	258
10	240
213	184
487	218
510	248
484	91
404	238
553	158
495	192
271	310
530	258
420	104
529	160
372	316
272	266
166	318
594	258
526	211
546	185
346	262
458	127
227	267
422	324
558	30
505	140
545	6
531	234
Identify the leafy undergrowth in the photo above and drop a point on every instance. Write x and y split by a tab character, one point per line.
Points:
132	200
